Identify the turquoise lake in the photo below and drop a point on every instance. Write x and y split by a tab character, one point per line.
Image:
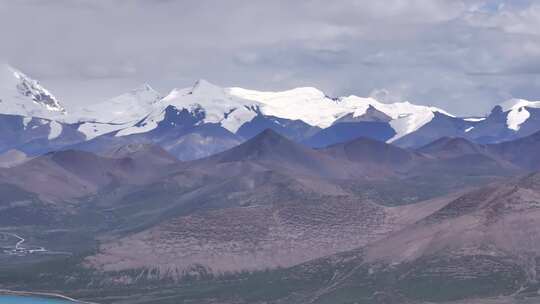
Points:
4	299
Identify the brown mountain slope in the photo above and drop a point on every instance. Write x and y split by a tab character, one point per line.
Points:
63	175
504	217
271	151
448	147
375	154
281	234
524	152
272	203
481	244
267	203
147	154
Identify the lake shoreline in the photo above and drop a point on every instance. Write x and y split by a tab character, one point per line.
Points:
50	295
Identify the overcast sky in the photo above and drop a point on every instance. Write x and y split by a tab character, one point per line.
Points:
464	56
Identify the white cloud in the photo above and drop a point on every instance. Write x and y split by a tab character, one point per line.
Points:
509	19
461	55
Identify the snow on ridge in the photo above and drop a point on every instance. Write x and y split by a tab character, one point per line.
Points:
517	111
516	103
406	117
55	129
118	112
22	95
123	108
232	107
218	105
474	119
229	107
305	103
36	91
315	108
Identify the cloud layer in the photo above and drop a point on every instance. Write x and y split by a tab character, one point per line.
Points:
464	56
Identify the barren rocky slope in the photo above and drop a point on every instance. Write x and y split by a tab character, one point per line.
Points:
273	203
362	222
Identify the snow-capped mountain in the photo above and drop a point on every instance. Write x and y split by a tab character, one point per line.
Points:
31	118
122	109
117	113
307	104
22	95
518	112
510	120
206	118
141	109
234	107
212	102
439	126
33	135
317	109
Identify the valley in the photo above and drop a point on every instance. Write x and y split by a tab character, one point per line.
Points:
329	225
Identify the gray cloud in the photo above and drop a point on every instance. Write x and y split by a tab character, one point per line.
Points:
464	56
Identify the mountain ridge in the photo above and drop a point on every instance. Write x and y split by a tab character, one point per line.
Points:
304	114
